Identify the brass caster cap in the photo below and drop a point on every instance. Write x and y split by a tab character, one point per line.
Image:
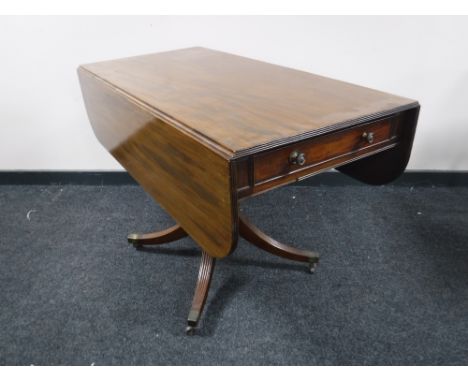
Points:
312	267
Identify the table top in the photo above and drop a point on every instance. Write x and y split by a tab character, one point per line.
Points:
238	104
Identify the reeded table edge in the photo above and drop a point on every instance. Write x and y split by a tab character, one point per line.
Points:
324	130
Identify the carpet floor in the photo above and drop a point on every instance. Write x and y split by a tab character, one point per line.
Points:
391	287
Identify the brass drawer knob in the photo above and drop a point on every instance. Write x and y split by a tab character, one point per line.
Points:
297	157
368	137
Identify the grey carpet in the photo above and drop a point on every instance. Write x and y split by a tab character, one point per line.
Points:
391	287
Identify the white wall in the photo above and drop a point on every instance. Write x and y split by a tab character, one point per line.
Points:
43	124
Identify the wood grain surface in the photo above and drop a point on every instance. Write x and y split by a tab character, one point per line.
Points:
319	150
239	105
386	166
192	182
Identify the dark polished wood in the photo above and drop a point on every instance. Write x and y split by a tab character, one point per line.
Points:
240	104
255	236
386	166
191	181
173	233
247	230
277	163
201	291
383	158
201	130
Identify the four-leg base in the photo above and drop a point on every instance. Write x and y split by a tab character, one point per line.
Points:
246	230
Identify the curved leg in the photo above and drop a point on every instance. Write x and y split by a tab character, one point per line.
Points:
170	234
201	291
252	234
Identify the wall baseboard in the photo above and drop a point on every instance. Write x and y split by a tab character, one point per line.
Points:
91	178
410	178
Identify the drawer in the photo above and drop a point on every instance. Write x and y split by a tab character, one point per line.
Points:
325	150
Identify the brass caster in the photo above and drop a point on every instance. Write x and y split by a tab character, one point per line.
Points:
312	267
190	330
133	239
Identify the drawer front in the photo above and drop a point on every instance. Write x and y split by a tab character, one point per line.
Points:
297	158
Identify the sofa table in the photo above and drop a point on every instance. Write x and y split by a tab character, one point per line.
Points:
201	130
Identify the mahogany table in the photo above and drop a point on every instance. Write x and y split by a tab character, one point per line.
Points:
200	130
